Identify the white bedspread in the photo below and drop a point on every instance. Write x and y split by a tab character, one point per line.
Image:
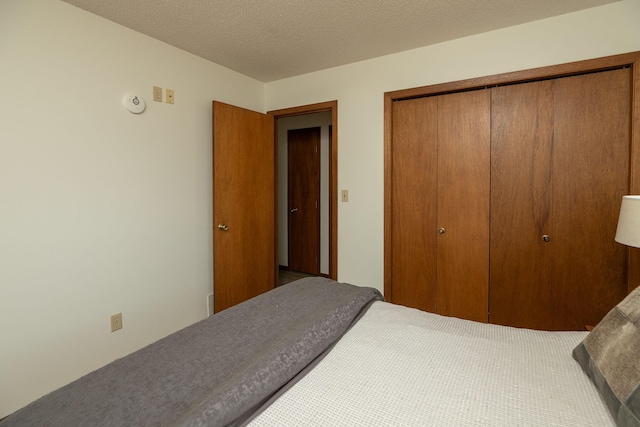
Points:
403	367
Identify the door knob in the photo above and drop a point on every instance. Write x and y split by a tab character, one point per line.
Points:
546	238
294	210
441	230
223	227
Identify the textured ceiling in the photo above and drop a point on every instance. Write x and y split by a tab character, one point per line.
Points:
274	39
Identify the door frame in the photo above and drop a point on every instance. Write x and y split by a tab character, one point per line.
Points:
333	173
631	60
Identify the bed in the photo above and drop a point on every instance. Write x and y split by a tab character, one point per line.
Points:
319	353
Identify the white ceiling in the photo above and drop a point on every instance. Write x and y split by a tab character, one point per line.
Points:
274	39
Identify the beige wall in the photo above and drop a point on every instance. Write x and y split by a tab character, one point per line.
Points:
101	211
359	89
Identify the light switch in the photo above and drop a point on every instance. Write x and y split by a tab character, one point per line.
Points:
345	195
157	94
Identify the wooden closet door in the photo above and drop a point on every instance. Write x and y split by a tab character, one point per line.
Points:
590	176
560	165
463	205
521	149
414	178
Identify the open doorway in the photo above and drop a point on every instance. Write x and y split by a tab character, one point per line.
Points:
303	193
324	117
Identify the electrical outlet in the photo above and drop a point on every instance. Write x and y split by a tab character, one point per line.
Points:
157	94
169	97
345	195
116	322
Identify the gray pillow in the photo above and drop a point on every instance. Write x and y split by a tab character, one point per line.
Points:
610	356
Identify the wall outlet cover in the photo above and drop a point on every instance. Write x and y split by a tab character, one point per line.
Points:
116	322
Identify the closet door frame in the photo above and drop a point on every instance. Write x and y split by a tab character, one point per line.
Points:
631	60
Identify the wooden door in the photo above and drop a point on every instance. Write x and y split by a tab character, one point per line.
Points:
521	184
414	169
463	205
560	166
244	217
590	176
303	166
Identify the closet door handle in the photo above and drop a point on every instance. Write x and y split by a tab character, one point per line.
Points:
441	230
294	210
546	238
223	227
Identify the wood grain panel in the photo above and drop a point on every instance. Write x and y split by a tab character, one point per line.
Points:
303	180
591	174
560	165
463	204
413	211
521	147
244	200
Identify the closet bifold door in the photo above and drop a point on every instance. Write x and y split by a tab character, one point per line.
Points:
521	150
559	168
463	205
591	162
414	179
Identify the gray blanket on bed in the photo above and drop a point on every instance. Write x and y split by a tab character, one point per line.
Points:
213	372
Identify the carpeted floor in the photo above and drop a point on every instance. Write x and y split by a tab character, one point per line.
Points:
287	276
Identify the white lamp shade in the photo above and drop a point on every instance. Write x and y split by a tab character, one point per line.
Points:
628	232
